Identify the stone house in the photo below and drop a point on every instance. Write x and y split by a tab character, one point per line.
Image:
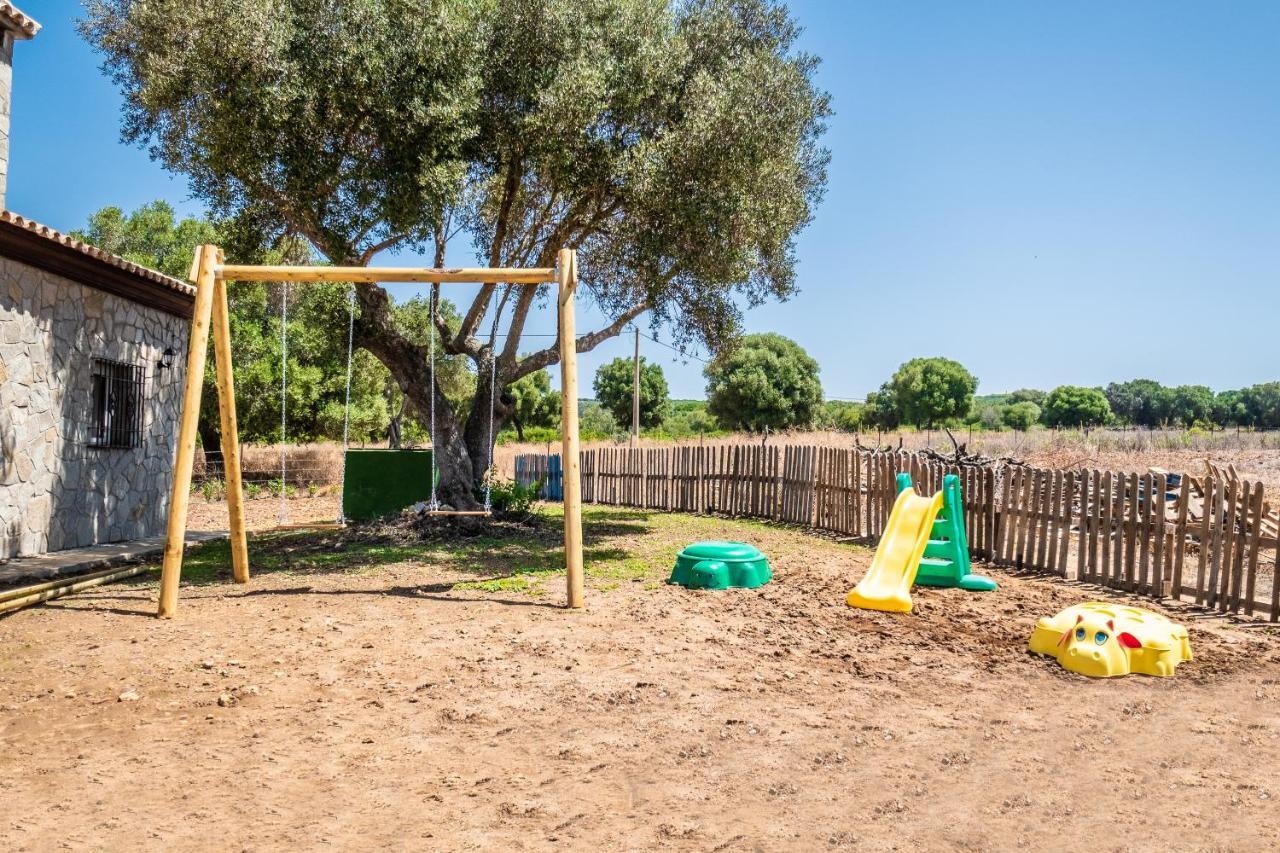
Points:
92	356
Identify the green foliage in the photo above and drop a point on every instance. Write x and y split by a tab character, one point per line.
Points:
317	341
594	421
1190	404
881	409
1021	416
508	497
929	390
1073	406
614	384
1139	402
150	236
534	403
1229	409
1026	395
1262	405
766	381
842	415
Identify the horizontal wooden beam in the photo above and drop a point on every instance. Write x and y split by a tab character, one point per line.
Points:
447	275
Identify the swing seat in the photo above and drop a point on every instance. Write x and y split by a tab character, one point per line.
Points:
455	512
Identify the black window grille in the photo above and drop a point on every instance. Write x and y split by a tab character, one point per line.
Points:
117	404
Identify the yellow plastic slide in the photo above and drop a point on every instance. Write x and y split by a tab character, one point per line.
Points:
887	584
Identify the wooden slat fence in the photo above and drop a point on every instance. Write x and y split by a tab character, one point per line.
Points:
1123	530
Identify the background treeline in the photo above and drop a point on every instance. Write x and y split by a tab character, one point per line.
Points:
762	383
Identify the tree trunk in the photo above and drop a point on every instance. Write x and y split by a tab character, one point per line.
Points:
407	362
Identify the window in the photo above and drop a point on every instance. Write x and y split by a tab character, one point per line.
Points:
116	407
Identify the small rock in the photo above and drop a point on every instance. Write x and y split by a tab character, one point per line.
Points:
226	700
128	696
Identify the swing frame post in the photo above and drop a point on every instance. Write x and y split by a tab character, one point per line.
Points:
206	262
567	280
210	274
230	432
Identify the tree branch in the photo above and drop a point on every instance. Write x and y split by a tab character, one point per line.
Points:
367	255
585	343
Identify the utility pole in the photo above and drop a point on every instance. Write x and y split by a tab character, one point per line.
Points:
635	396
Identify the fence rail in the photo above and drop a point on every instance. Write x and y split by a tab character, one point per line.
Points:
1152	534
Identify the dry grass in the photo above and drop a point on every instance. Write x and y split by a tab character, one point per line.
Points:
1256	455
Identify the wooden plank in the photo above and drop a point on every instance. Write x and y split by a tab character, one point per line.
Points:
1141	578
1025	497
1180	533
1206	521
1065	504
438	275
1215	534
1252	548
1229	514
1082	552
1161	484
1131	533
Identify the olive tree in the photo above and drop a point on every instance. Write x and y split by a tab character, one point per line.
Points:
928	390
1073	406
675	145
615	383
768	381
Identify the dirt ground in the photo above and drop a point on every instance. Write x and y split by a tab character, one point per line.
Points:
378	693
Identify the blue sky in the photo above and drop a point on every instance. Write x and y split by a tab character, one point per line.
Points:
1048	192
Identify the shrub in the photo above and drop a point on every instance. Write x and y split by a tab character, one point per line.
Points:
507	497
1021	416
1073	406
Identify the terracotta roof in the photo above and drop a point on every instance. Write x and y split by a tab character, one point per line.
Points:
12	18
10	218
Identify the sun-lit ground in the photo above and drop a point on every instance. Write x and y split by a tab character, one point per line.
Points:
374	691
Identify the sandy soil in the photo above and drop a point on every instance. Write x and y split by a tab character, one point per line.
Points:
262	513
354	696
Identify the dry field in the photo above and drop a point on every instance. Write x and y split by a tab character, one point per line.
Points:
1255	455
371	692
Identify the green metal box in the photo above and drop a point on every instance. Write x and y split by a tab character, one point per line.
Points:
380	483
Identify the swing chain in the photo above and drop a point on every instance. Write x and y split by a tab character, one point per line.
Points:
488	479
434	504
284	396
346	406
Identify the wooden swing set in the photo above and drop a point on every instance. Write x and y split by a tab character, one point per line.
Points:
210	275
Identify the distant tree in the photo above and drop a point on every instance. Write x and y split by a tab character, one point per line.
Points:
766	381
881	409
1021	416
151	236
689	418
1027	395
841	415
989	417
1262	405
1229	409
614	384
594	420
533	403
928	390
1189	404
1073	406
1138	402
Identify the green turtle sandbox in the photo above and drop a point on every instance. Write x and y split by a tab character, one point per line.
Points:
720	565
946	557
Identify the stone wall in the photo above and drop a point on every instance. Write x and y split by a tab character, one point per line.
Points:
56	490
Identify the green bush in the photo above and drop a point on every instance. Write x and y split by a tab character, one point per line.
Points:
213	490
507	497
